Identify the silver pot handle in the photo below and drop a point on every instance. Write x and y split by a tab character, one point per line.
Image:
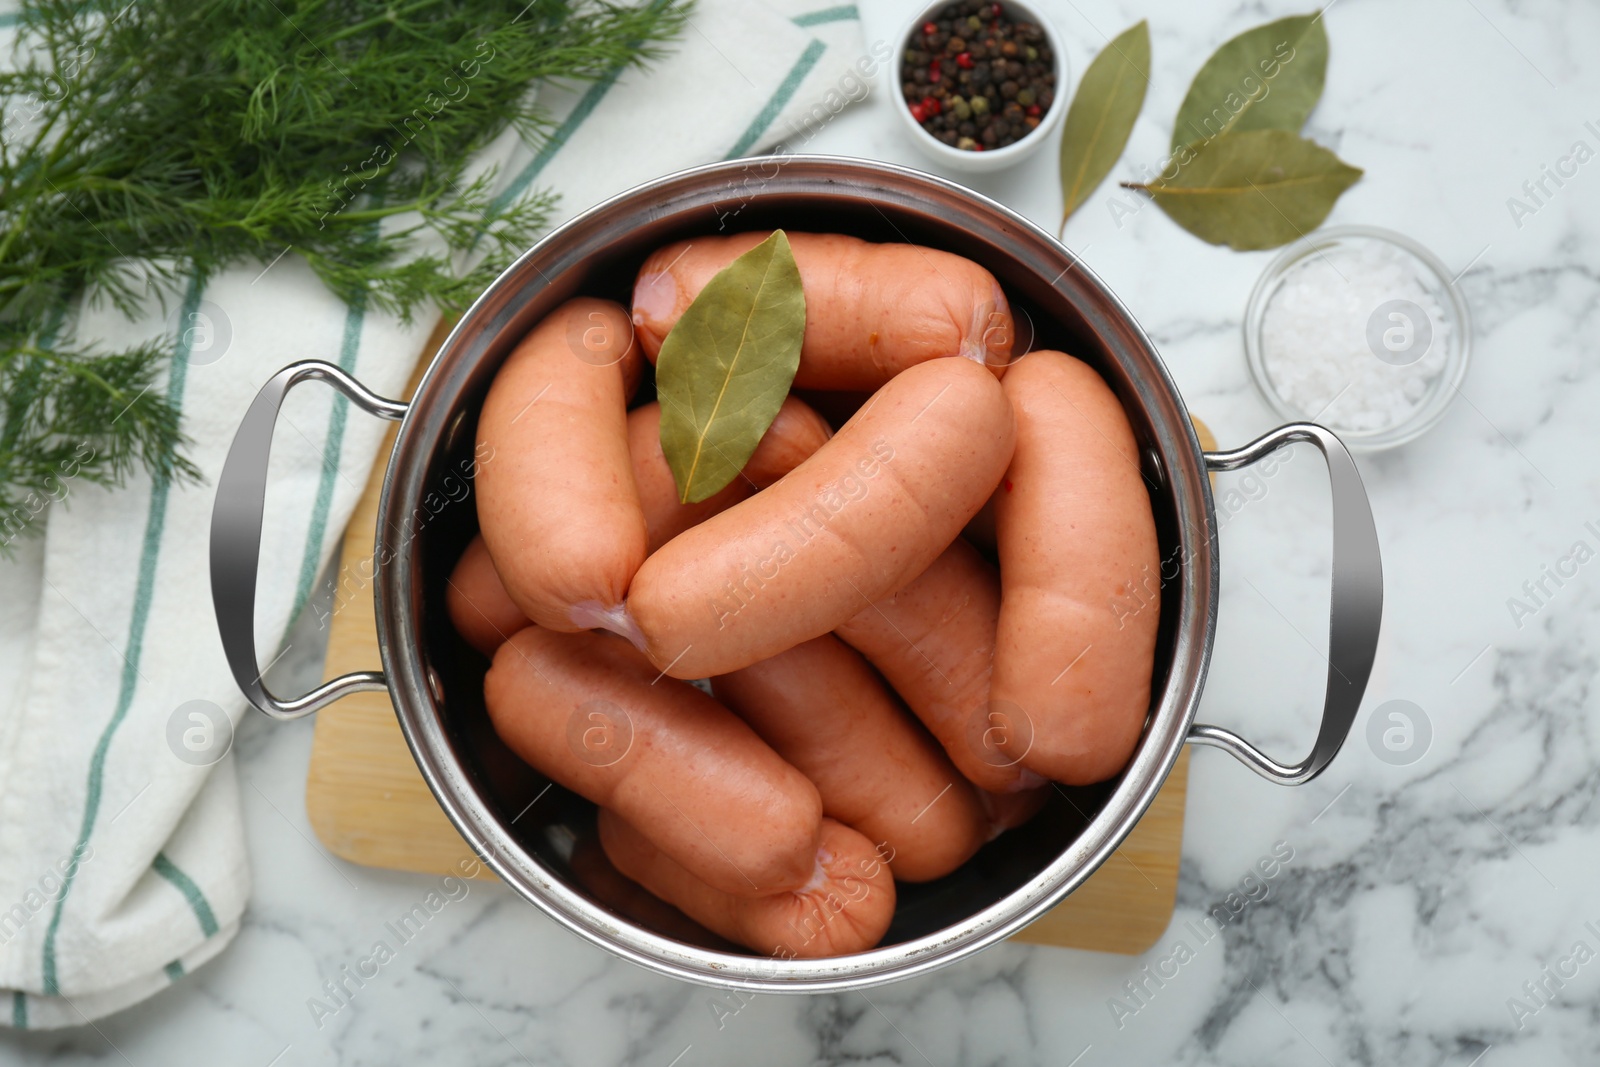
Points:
236	536
1356	611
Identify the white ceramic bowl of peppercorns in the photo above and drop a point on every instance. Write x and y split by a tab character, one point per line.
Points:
982	85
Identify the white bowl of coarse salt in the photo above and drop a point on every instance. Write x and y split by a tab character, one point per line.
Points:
1361	330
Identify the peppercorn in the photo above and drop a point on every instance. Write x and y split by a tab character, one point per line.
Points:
975	78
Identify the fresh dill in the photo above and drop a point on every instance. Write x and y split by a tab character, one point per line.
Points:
146	146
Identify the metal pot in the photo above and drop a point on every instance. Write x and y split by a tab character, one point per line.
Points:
436	683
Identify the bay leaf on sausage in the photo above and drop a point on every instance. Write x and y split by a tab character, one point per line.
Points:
726	366
1266	78
1252	189
1102	114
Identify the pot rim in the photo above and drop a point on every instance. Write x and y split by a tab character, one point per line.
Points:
424	426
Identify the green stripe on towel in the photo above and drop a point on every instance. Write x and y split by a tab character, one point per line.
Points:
191	892
558	138
174	970
143	594
349	349
785	93
828	14
563	132
19	1011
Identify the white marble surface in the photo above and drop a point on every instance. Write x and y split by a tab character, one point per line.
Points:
1419	898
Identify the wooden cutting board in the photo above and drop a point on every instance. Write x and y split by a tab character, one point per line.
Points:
368	803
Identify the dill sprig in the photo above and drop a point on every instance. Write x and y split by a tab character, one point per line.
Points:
148	143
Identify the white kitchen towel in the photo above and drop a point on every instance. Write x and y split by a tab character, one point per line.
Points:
123	862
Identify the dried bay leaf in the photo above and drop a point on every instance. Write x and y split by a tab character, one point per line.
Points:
1269	77
726	366
1252	189
1102	115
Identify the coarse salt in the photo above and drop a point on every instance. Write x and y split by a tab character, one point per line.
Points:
1341	331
